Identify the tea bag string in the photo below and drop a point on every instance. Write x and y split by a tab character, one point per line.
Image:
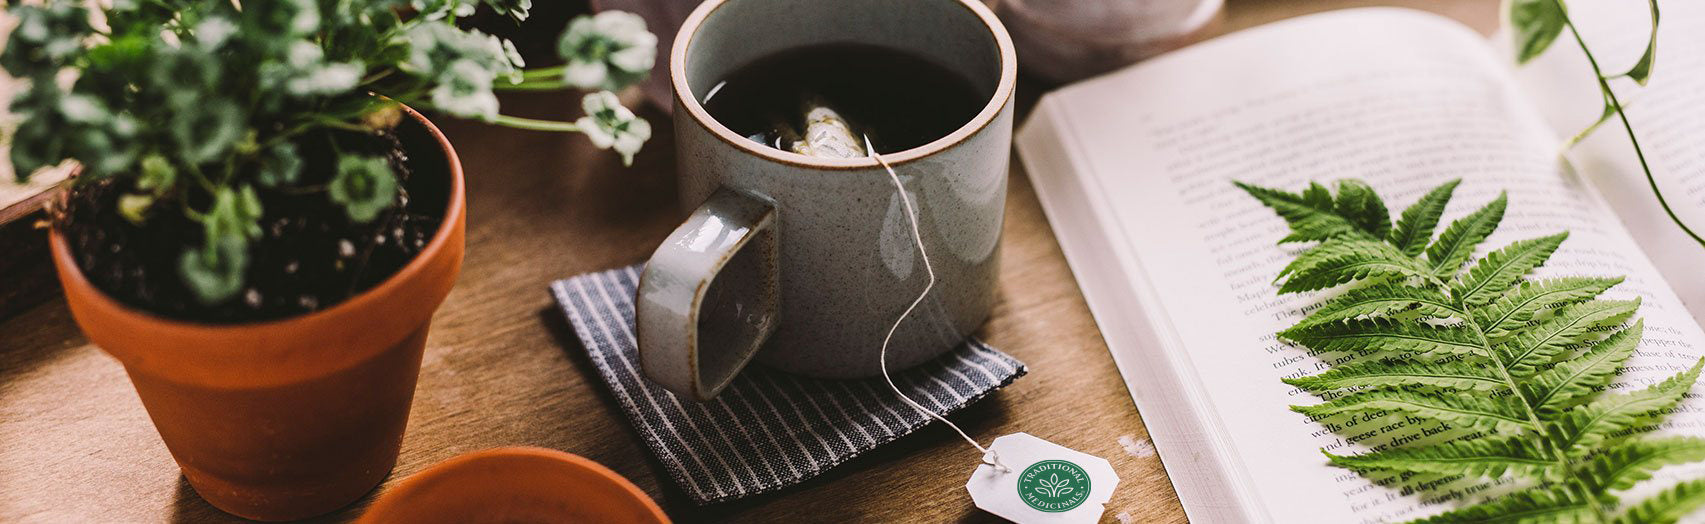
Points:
989	456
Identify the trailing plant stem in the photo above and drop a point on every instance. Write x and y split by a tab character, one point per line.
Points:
554	72
201	179
377	76
535	124
531	85
1616	104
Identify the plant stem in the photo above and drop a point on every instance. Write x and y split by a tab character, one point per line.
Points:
535	125
1610	94
1558	454
530	85
375	77
190	212
346	126
542	73
195	172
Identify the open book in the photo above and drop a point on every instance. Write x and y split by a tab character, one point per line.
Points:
1135	168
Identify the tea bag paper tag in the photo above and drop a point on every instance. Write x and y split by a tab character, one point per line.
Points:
1047	482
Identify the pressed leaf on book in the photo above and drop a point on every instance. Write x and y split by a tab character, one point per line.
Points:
1448	340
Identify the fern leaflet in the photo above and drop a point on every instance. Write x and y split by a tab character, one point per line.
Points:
1456	245
1415	228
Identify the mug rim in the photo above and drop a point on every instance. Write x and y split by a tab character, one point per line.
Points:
997	101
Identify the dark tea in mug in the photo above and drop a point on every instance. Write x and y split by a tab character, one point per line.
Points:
898	100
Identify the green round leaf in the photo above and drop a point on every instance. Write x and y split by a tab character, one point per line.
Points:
364	185
204	130
214	273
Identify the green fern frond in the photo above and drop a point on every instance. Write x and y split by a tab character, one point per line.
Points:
1317	196
1542	344
1480	411
1358	203
1312	214
1331	249
1621	466
1494	275
1399	338
1527	363
1383	299
1457	243
1455	374
1415	228
1578	431
1342	260
1487	457
1322	226
1519	306
1668	506
1566	384
1543	504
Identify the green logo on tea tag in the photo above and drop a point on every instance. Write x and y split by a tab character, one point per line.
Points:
1053	485
1054	488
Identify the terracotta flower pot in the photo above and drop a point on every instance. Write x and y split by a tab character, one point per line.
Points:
290	418
517	484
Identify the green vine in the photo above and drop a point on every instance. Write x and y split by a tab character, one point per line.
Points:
1539	22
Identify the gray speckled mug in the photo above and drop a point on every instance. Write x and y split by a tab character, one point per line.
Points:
805	262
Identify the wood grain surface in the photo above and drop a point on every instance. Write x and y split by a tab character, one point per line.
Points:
502	367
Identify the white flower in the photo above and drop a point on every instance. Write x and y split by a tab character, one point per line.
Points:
303	54
213	31
622	26
609	125
435	47
513	54
426	43
515	9
82	109
297	17
609	50
438	9
504	58
308	73
465	90
637	59
585	75
325	80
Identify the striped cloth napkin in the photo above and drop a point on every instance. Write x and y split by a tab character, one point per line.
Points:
768	429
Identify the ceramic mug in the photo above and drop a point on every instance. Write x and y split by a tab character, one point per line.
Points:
804	263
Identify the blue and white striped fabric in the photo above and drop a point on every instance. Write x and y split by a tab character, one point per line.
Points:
767	430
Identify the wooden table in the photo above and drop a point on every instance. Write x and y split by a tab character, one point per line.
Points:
502	366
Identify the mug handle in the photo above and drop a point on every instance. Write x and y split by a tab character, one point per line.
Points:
709	296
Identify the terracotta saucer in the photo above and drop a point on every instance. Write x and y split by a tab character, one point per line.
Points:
517	485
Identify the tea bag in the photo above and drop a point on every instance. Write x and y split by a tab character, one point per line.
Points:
1037	480
826	134
1022	478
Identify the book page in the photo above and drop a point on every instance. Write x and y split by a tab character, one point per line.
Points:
1668	115
1401	99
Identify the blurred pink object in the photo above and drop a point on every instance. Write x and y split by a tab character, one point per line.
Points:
663	18
1066	40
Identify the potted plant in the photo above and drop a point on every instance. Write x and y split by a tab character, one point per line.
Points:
262	227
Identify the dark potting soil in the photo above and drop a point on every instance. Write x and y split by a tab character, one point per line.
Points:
310	255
